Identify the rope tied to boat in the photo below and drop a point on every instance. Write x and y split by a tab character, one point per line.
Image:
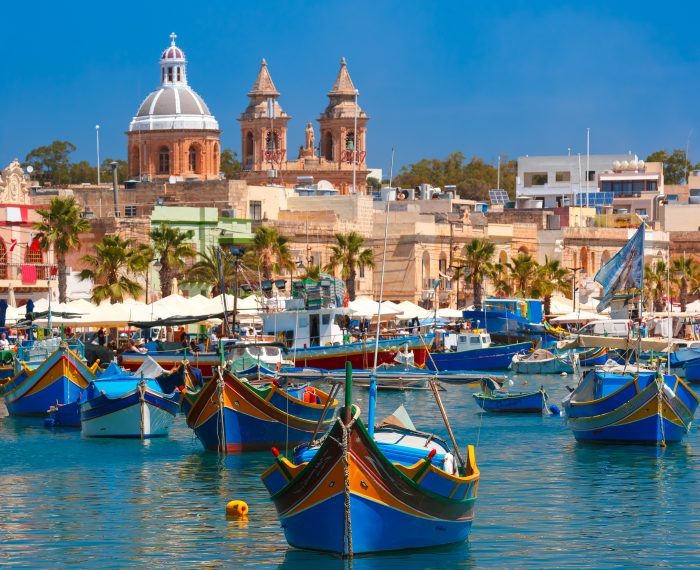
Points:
220	425
142	399
661	383
347	521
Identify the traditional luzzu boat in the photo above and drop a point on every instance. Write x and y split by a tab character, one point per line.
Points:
473	350
647	407
119	404
47	372
231	415
541	361
363	490
493	398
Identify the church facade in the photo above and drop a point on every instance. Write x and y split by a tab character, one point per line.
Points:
338	157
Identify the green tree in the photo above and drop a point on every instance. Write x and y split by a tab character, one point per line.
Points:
685	273
312	272
106	171
51	163
172	249
206	270
230	165
551	277
81	172
476	256
374	183
349	254
61	227
500	278
523	269
269	253
655	276
676	165
115	267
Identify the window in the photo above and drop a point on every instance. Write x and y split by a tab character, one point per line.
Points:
170	74
255	210
129	211
178	74
3	260
164	160
350	141
563	176
651	186
36	258
362	271
535	178
590	175
193	158
640	211
326	319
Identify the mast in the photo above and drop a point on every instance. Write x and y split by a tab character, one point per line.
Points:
373	376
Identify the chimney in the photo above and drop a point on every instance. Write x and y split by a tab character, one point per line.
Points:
115	188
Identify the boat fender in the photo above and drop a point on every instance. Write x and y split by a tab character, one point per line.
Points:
309	395
554	410
237	510
449	464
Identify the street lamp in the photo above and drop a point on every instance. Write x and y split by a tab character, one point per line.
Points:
97	135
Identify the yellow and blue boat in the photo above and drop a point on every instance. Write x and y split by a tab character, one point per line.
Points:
645	407
363	491
47	373
231	415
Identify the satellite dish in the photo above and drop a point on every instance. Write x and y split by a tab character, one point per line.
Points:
30	169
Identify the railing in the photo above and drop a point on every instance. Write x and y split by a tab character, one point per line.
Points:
13	271
40	350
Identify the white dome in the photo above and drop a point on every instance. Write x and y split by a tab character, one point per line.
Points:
175	106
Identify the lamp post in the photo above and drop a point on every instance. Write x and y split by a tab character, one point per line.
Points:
97	136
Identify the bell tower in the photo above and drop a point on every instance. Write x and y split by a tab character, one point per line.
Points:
340	143
263	126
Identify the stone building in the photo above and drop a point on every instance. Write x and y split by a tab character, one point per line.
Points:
340	156
173	135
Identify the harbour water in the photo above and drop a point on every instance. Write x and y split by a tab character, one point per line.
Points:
544	500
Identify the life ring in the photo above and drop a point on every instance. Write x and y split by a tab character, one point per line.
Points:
468	326
309	395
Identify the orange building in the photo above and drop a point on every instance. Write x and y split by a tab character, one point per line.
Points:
340	156
173	135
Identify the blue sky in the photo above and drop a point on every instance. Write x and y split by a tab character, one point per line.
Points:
435	77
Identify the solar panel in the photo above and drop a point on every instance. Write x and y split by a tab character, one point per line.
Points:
594	199
498	196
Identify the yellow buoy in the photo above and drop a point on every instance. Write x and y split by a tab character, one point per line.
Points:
237	509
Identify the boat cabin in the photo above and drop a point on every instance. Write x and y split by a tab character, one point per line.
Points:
466	340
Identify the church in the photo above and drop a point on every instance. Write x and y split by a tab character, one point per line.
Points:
175	138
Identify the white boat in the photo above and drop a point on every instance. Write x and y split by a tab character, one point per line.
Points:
118	404
541	361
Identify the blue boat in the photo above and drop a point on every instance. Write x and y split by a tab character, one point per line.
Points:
472	350
232	415
493	398
118	404
47	373
692	371
644	408
364	490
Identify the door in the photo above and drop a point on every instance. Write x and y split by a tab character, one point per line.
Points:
314	330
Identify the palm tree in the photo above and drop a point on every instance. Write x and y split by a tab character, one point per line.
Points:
477	256
172	249
349	254
206	270
115	262
655	283
60	227
312	272
500	278
685	272
269	253
551	277
523	268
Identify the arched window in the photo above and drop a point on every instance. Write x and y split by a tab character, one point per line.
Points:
35	257
178	73
593	268
605	257
3	259
503	257
442	268
272	141
193	162
170	74
164	160
328	145
523	249
248	150
350	141
584	259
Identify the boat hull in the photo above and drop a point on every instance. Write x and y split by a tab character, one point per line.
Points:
492	358
513	403
391	507
58	380
231	416
551	366
133	415
642	410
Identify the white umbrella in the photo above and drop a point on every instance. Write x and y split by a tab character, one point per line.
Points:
579	316
449	313
411	310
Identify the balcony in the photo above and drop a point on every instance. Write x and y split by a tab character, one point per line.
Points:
24	275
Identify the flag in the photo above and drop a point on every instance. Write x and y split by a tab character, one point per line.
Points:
625	270
35	246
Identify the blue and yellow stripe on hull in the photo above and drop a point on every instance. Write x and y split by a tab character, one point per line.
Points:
58	380
392	507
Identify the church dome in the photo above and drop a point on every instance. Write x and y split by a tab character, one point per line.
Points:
174	105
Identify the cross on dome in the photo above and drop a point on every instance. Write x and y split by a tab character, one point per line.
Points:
173	35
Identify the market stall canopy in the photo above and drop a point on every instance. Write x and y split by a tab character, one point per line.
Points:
367	309
449	314
579	316
411	311
621	343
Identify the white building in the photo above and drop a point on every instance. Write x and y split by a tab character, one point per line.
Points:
554	181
